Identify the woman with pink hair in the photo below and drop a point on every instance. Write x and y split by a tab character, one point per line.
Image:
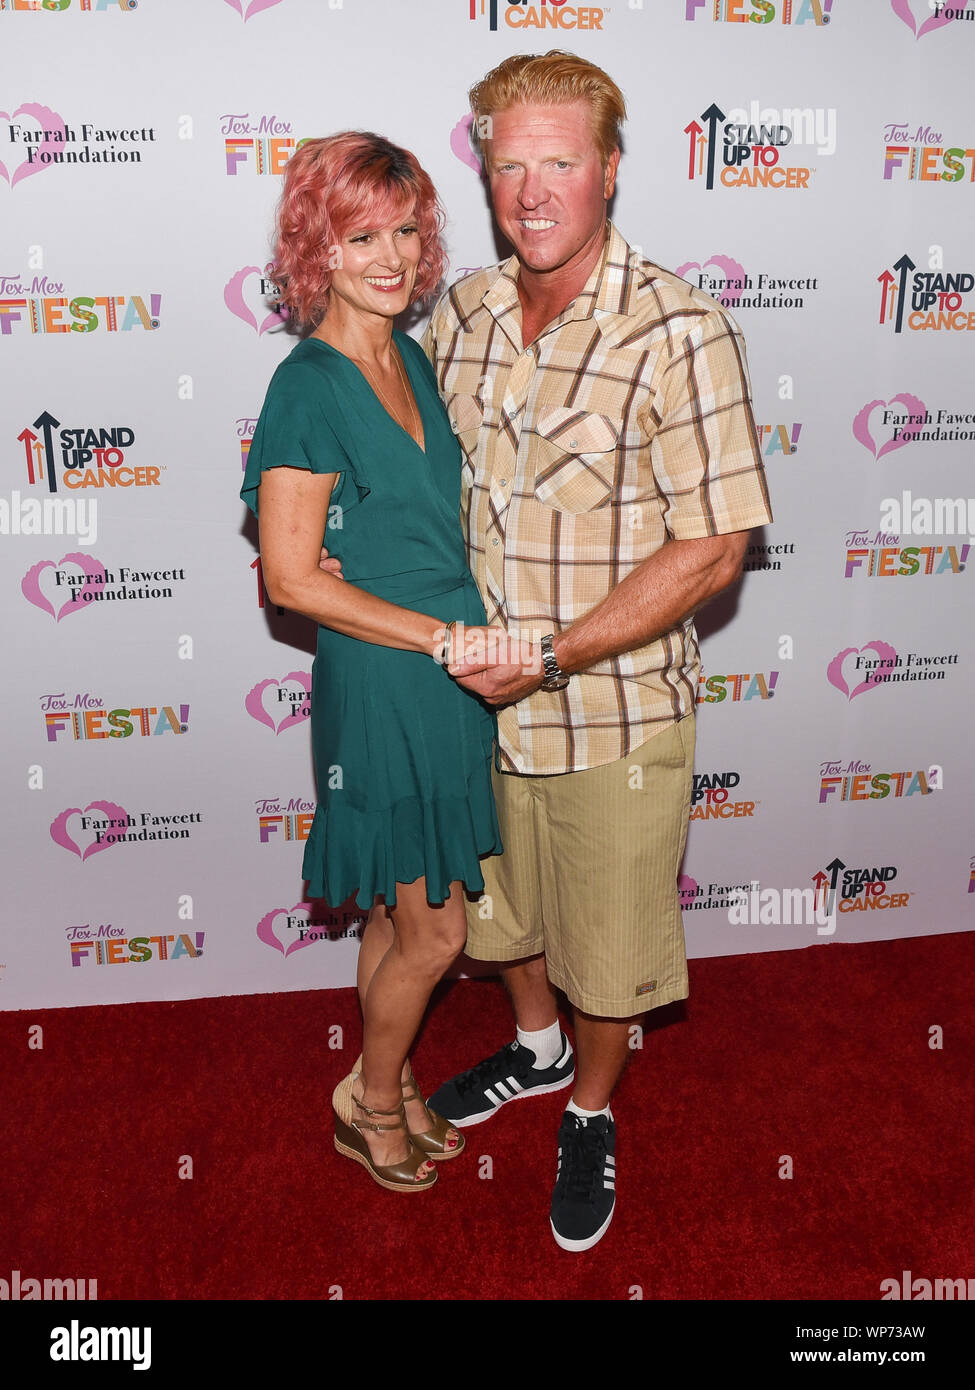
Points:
353	441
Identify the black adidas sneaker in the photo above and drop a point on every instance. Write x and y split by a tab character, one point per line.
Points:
585	1187
509	1074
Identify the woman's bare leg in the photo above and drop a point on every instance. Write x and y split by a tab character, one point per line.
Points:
395	985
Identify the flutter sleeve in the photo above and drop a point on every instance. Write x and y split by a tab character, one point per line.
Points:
297	428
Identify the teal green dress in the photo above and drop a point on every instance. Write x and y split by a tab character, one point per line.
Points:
402	753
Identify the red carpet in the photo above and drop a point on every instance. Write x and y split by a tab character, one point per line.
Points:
821	1054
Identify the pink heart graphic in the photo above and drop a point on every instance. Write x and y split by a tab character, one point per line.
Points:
731	270
48	120
902	9
834	671
254	7
861	425
32	589
233	297
64	837
460	144
687	889
258	708
267	934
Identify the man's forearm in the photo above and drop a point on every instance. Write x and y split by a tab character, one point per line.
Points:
654	598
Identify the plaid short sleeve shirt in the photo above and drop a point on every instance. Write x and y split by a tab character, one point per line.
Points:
626	423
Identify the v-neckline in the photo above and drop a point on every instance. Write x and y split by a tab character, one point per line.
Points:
375	396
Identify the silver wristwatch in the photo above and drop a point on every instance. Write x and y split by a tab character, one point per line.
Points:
555	678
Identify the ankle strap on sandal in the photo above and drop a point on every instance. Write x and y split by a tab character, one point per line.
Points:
410	1084
380	1129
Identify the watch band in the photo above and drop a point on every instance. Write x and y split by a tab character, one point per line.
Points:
554	678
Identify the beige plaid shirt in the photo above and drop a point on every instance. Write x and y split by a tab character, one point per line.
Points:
627	422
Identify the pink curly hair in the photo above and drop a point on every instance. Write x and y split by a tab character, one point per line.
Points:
344	182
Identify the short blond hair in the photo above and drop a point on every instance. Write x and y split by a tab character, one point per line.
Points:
552	79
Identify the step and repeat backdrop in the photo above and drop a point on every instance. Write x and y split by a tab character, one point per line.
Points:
810	163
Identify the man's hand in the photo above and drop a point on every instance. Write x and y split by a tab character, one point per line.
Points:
330	564
500	685
500	668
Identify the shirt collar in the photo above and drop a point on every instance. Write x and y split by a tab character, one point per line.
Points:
607	297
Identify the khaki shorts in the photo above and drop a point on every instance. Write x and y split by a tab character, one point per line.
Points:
589	876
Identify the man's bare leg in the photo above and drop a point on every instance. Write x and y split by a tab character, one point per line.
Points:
532	994
602	1050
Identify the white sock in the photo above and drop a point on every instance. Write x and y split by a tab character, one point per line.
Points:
588	1114
546	1044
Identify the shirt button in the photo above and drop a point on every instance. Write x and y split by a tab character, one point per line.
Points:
573	443
495	541
453	426
503	482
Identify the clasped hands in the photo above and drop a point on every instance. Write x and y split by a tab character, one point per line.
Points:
488	661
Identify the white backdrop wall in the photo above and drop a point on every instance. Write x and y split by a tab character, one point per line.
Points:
156	744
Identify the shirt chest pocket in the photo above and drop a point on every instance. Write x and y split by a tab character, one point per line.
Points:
576	459
466	417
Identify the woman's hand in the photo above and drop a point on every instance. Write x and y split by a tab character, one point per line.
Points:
330	564
495	664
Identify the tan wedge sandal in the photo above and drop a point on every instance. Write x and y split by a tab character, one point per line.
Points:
434	1143
349	1140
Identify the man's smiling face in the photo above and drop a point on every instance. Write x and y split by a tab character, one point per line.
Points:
548	184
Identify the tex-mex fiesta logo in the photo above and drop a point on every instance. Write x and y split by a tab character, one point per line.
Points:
856	781
926	299
543	14
81	456
107	944
43	140
857	890
751	145
920	154
77	583
281	819
59	6
82	717
39	305
796	12
257	143
881	555
742	686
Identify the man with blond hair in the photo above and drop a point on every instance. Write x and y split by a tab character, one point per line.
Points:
611	477
610	481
